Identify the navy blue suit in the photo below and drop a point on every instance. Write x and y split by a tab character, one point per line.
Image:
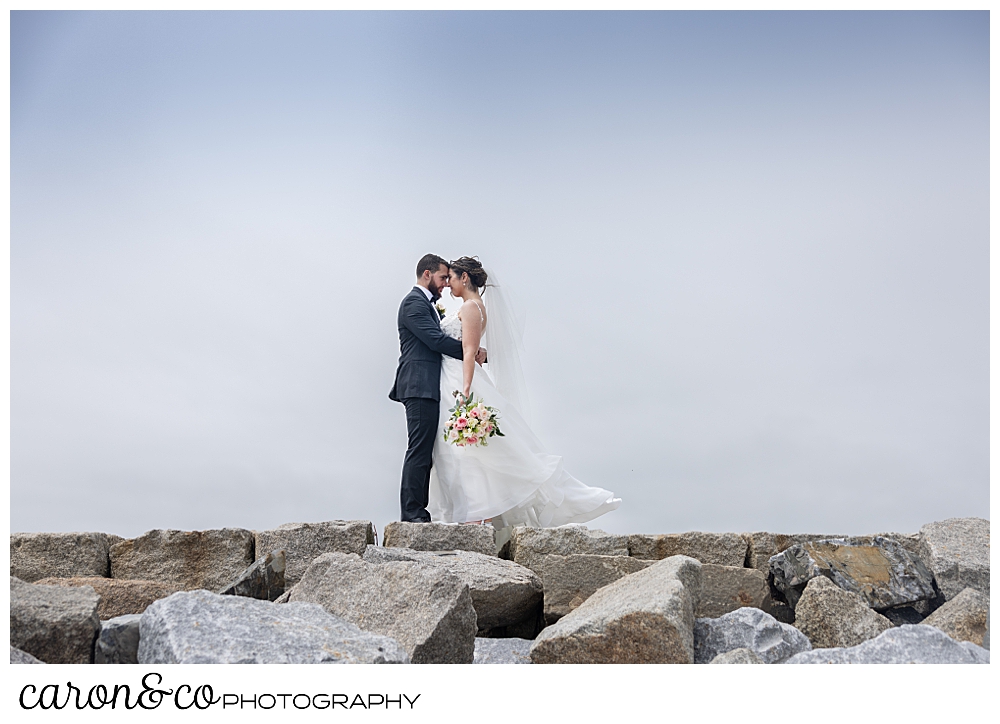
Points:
418	387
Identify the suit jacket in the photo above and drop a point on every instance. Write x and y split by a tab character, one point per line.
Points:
421	344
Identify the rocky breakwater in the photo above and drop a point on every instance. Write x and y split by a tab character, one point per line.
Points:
445	593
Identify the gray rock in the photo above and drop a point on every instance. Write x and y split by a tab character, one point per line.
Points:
441	537
878	569
643	618
22	657
721	549
118	642
507	596
199	627
527	544
747	628
957	551
964	617
832	617
304	542
571	580
34	556
55	624
118	597
207	559
264	579
502	651
762	546
737	656
727	588
986	636
903	645
426	608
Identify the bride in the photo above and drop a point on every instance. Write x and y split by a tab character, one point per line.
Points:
513	480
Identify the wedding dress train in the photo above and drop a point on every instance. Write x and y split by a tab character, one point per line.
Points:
512	480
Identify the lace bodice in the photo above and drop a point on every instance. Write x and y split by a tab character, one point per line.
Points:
452	326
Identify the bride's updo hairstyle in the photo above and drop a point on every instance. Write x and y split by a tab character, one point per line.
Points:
471	266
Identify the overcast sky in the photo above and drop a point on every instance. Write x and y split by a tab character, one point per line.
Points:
752	249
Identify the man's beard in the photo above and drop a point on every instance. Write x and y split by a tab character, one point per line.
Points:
434	289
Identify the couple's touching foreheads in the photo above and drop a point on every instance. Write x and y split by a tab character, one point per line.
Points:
459	467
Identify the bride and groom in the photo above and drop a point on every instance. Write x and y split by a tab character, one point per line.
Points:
512	480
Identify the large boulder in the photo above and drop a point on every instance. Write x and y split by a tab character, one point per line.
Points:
118	597
34	556
207	559
264	579
507	596
118	642
304	542
527	544
22	657
426	608
571	580
55	624
727	588
199	627
737	656
957	551
832	617
502	651
762	546
720	549
441	537
963	618
747	628
918	644
644	618
877	569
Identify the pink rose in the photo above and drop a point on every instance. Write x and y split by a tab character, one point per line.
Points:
472	439
461	423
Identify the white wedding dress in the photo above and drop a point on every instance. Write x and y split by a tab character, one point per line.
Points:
512	480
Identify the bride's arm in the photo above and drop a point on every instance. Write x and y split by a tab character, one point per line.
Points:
472	331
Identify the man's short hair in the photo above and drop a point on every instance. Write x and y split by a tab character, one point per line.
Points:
431	263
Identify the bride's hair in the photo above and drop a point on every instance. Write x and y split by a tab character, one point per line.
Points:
470	265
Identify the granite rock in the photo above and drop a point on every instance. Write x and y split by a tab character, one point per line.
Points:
507	596
644	618
762	546
118	642
737	656
919	644
878	569
264	579
727	588
747	628
903	615
55	624
34	556
527	544
199	627
957	552
441	537
832	617
963	618
426	608
118	597
189	560
571	580
721	549
22	657
502	651
304	542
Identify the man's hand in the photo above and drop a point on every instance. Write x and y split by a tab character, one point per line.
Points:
481	356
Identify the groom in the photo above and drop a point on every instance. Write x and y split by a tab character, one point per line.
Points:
418	381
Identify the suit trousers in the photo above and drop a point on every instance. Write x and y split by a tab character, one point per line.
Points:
421	430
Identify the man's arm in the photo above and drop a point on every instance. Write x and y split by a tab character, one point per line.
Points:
418	321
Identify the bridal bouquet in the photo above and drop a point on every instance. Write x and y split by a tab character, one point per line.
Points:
471	423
